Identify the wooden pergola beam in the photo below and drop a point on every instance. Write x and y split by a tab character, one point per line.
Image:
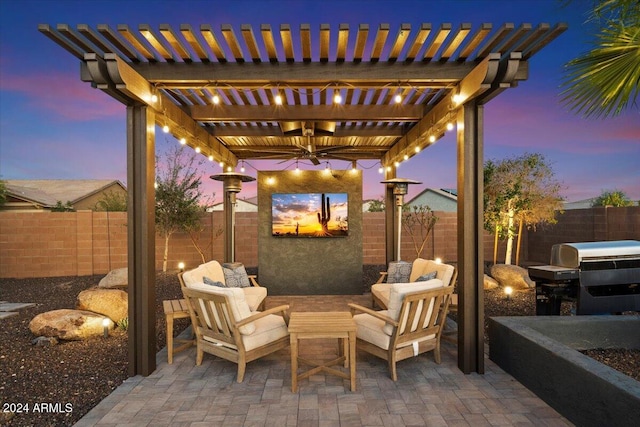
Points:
114	75
336	113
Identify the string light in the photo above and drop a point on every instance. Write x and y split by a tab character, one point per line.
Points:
337	98
165	129
197	149
449	126
380	169
242	166
432	138
221	164
297	170
417	149
354	166
211	158
183	141
215	99
154	98
278	99
327	169
406	157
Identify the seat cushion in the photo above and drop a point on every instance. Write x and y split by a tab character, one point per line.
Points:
267	329
254	296
421	267
237	302
371	330
396	297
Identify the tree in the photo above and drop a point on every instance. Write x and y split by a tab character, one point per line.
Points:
604	81
3	192
59	207
614	198
112	201
178	195
376	205
418	221
519	190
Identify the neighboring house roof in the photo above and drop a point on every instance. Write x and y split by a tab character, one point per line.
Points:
47	192
579	204
436	199
241	206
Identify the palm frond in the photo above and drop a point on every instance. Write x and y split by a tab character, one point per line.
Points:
604	81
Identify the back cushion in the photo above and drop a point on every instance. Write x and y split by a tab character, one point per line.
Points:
239	307
421	267
396	296
214	271
398	272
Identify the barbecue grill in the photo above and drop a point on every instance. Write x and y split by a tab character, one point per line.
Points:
600	277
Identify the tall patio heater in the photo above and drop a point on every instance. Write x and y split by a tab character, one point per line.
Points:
400	188
232	184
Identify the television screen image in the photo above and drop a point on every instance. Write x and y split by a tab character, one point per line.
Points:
309	215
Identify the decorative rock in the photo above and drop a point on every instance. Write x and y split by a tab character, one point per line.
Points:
490	282
118	278
512	275
44	341
68	324
112	303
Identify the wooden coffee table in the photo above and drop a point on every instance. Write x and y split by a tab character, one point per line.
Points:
317	325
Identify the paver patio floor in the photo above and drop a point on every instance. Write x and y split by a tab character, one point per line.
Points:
182	394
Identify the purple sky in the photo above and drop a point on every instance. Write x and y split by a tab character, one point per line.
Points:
52	125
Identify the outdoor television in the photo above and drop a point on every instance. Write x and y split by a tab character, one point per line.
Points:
309	215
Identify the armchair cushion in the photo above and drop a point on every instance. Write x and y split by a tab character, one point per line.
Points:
267	329
235	275
211	269
396	296
422	266
254	295
239	307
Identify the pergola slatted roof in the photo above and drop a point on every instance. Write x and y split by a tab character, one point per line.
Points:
248	68
244	93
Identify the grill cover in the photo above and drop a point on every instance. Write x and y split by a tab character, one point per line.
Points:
570	255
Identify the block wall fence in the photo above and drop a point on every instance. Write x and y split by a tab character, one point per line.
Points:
50	244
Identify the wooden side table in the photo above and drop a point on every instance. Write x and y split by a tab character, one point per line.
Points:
317	325
175	309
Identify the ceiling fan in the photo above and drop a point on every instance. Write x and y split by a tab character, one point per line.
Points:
302	152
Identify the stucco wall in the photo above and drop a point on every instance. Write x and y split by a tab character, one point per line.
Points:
311	265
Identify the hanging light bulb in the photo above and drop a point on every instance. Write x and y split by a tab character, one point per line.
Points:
229	169
354	166
417	149
297	169
198	149
432	138
154	98
221	164
396	164
215	99
337	98
380	169
327	169
183	141
165	129
242	166
449	126
278	99
397	99
406	157
211	158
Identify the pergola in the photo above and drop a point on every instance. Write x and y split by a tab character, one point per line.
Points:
245	93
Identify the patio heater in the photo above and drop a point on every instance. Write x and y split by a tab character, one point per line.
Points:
232	184
400	188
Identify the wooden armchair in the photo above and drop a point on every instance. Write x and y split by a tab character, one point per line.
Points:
412	325
225	327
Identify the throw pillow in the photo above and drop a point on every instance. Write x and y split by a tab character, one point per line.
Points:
235	275
211	282
427	276
399	272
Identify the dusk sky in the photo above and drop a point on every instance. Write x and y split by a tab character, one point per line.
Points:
54	126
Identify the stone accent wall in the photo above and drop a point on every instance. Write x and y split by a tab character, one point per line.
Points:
47	244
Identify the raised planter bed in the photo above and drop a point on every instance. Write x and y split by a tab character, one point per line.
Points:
542	353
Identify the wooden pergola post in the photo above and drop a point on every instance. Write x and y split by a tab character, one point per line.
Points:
470	238
141	232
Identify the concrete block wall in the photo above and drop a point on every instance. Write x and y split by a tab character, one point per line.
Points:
47	244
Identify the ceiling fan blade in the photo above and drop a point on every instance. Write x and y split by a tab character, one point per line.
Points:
333	148
314	160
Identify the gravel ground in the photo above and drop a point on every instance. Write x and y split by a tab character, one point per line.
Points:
61	383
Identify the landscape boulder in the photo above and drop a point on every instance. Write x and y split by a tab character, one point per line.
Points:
118	278
512	275
112	303
490	282
68	324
